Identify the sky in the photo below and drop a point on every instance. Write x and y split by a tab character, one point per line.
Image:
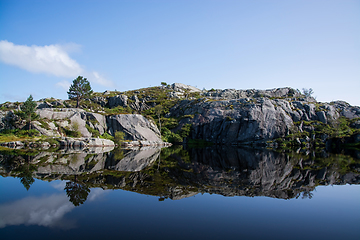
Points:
129	44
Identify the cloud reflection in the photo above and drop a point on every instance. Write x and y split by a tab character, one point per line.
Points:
46	211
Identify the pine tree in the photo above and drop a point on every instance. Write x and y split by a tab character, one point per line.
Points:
28	110
79	89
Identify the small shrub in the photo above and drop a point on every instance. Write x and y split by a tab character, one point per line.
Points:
107	136
44	124
119	137
169	136
94	132
185	130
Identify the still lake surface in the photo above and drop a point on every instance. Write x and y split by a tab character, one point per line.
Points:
179	193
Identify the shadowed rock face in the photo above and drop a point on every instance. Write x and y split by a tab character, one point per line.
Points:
227	171
252	119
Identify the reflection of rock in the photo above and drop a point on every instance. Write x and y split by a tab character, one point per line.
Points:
137	160
227	171
76	162
235	172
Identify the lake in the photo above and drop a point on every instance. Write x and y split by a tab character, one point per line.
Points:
179	193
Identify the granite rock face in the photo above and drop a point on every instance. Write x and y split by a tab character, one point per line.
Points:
180	87
8	120
120	100
246	119
226	116
75	119
135	126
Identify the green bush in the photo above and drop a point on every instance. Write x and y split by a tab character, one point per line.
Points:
169	136
119	137
71	133
44	124
185	130
107	136
21	133
94	132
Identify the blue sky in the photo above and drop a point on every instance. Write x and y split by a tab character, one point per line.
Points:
126	45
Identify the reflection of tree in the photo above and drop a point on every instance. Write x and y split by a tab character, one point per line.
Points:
307	194
118	154
26	180
76	192
25	174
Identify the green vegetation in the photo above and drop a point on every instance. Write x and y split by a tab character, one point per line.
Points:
79	89
107	136
73	132
336	129
27	111
119	137
168	136
94	133
11	135
118	110
44	124
185	130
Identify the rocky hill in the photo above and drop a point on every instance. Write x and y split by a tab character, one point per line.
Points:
276	117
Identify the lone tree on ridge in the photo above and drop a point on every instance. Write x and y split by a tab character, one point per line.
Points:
28	110
79	89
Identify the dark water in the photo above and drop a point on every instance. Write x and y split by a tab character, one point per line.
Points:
211	193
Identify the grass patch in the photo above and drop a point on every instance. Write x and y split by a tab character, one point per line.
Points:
12	135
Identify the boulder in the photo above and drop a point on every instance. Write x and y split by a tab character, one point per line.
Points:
9	120
102	101
179	87
135	126
85	142
75	119
119	100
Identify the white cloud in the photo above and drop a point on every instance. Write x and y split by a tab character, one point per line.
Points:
63	84
52	59
101	80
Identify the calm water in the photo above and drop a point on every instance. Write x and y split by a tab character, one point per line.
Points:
212	193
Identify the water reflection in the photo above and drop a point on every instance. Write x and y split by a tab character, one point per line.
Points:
177	172
47	211
76	192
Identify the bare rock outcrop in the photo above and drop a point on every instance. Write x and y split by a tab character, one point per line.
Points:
74	119
135	126
248	119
